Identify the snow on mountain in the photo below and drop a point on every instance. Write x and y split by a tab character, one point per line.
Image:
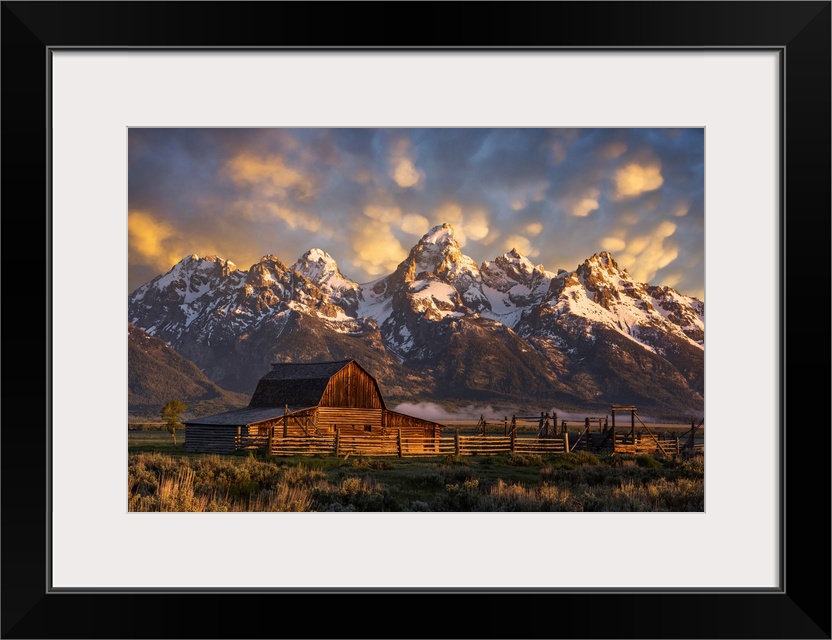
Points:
511	283
601	292
320	268
168	305
436	309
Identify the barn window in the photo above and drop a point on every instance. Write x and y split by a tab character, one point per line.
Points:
368	427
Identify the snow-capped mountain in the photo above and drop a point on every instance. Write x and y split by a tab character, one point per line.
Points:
440	327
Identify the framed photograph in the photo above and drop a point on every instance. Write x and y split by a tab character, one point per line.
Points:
88	87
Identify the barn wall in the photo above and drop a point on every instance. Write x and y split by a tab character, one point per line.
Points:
295	423
410	425
210	438
349	419
352	387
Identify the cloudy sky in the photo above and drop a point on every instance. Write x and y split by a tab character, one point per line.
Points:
366	196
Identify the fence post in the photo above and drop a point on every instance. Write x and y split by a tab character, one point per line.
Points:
513	437
566	441
613	432
239	440
399	441
505	425
337	441
678	450
456	442
286	422
586	424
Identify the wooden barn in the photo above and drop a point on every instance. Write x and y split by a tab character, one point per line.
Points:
305	399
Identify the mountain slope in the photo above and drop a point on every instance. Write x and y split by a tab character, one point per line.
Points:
157	374
440	327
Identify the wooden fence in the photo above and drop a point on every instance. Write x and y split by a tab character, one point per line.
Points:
399	445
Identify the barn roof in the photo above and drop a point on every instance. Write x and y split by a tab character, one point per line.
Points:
242	417
299	384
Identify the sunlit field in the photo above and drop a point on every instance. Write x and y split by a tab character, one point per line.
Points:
163	477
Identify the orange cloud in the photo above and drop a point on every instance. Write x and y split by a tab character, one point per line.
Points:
294	219
587	204
613	244
473	223
644	255
415	224
377	250
271	174
521	243
383	214
402	169
680	212
534	228
153	241
635	179
614	150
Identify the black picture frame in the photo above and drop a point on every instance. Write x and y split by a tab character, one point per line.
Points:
799	31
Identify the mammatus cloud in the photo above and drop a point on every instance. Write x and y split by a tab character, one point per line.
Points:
587	204
411	223
645	255
376	249
293	219
402	169
672	279
556	194
534	228
386	215
159	244
476	224
526	194
634	179
154	242
270	175
468	224
613	244
522	244
681	210
614	150
415	224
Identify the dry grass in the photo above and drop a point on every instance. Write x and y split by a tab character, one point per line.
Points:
565	482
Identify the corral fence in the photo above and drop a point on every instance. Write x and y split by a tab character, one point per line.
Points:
400	445
541	434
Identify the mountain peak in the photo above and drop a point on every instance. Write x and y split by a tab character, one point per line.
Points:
316	264
604	258
317	255
321	268
440	234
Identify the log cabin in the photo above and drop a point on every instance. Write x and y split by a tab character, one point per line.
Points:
305	399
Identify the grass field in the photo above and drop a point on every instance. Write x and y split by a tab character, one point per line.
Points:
164	477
